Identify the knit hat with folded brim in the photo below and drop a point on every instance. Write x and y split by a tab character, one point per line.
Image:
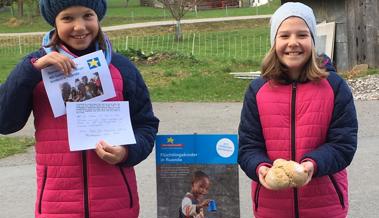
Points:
292	9
51	8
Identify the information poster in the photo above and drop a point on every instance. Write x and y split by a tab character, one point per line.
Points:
181	157
90	81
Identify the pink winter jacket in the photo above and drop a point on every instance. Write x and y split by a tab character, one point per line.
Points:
300	121
78	184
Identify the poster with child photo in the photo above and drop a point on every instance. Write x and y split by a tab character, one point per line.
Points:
197	176
89	81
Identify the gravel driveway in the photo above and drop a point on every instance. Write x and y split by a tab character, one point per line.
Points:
17	183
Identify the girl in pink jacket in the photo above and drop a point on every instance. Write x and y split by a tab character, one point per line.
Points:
299	110
98	183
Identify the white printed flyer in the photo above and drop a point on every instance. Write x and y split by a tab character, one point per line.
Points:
90	81
90	122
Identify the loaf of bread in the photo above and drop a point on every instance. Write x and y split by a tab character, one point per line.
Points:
285	174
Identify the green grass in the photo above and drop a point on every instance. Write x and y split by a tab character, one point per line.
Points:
208	60
117	14
242	43
13	145
202	77
7	64
186	78
232	39
373	71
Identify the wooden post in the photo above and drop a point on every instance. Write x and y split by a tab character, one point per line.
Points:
362	32
19	44
126	43
193	44
371	29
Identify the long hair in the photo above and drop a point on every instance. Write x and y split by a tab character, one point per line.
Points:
275	71
56	41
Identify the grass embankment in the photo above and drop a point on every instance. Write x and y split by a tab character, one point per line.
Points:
14	145
170	76
118	14
182	77
7	63
177	77
186	78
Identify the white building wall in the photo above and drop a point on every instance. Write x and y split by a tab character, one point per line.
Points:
255	3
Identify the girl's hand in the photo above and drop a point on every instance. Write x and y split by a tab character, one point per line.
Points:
201	214
262	172
308	166
63	63
205	203
201	205
111	154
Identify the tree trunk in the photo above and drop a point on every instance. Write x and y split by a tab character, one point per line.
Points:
178	31
37	12
30	11
20	4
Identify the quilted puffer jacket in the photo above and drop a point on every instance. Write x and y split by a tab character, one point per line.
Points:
79	184
297	121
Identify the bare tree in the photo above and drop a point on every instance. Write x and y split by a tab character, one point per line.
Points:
178	8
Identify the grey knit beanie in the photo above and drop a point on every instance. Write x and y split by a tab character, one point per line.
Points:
51	8
292	9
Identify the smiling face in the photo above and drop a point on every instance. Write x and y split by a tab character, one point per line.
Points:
293	45
77	26
200	187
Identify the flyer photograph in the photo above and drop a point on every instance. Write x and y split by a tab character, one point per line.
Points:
90	122
186	162
90	81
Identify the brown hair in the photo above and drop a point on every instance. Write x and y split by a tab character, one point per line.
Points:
56	41
275	71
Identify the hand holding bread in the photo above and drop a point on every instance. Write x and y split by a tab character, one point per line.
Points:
285	174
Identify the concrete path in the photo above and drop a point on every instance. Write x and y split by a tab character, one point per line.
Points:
17	180
155	23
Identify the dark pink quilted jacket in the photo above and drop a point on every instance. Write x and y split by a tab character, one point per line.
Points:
78	184
324	196
313	121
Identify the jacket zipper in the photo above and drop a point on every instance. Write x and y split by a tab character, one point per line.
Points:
127	186
256	196
293	142
85	181
42	190
339	193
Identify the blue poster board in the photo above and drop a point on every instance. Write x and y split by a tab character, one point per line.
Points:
196	149
180	157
